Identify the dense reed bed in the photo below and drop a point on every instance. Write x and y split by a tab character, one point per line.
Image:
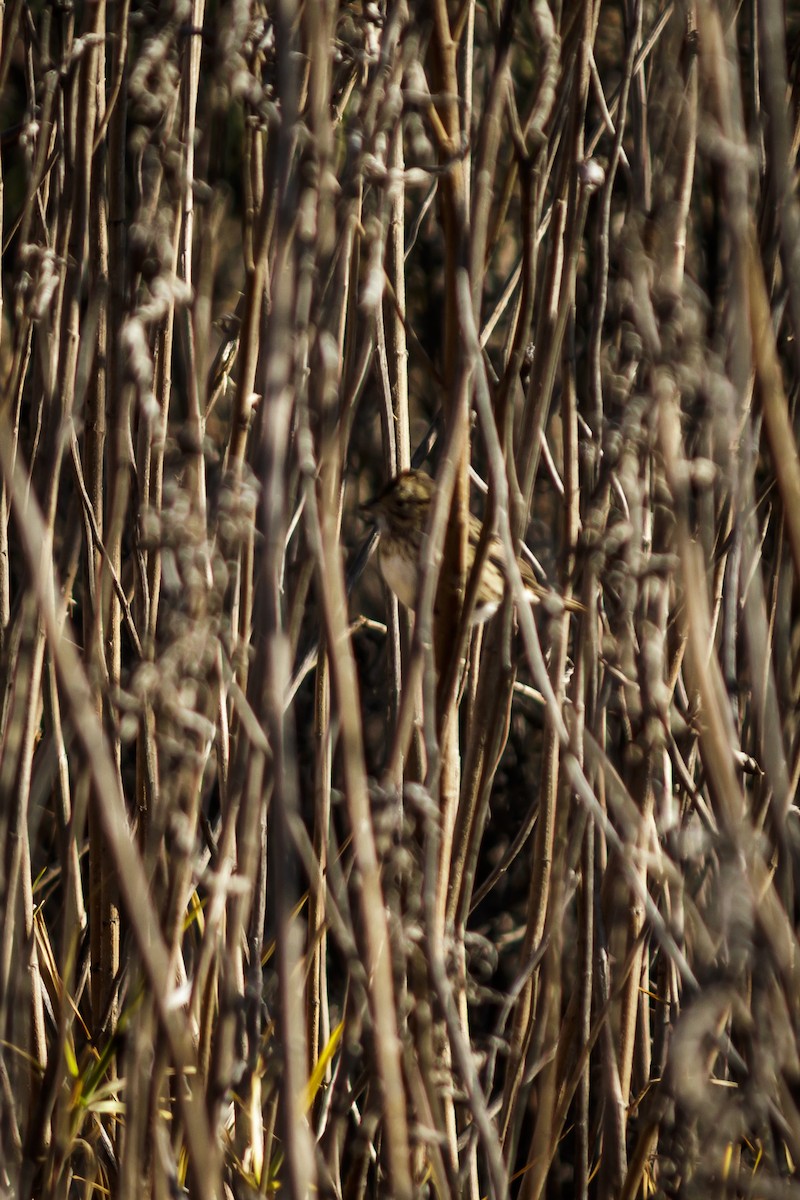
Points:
299	894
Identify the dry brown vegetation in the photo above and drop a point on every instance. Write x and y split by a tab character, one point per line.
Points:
297	894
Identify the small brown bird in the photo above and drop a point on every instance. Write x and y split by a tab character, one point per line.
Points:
401	513
230	327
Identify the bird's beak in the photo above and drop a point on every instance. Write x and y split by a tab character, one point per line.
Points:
370	513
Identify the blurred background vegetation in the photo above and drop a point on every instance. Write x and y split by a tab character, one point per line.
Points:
298	894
